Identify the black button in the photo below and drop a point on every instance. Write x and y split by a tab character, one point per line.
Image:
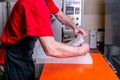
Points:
77	24
77	18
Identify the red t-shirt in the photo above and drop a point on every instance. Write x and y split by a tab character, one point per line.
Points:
28	18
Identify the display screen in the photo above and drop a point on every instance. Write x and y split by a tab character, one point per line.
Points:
69	10
77	10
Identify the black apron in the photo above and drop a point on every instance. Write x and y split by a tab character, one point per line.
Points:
18	58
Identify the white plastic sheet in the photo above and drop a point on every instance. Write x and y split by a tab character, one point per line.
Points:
42	58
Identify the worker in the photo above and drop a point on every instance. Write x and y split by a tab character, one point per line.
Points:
29	21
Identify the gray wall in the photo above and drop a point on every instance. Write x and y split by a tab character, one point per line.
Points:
112	28
2	16
112	22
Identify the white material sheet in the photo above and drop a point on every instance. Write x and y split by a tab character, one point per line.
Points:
72	60
43	58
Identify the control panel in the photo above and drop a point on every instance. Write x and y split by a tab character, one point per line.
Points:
73	8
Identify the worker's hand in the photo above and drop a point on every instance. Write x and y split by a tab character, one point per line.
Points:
85	48
80	30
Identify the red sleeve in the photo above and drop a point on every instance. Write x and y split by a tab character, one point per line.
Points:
52	7
38	19
28	18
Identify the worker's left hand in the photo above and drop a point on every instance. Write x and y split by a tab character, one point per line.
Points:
80	30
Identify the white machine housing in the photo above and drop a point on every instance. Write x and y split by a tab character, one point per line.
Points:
74	9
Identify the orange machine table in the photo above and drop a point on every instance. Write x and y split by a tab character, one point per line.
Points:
99	70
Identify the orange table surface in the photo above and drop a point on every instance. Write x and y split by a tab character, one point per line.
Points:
99	70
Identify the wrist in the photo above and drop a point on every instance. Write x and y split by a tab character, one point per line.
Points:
75	28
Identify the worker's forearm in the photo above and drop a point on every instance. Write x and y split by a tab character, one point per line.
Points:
65	19
63	50
57	49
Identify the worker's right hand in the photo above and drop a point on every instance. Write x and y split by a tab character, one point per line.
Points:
84	48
